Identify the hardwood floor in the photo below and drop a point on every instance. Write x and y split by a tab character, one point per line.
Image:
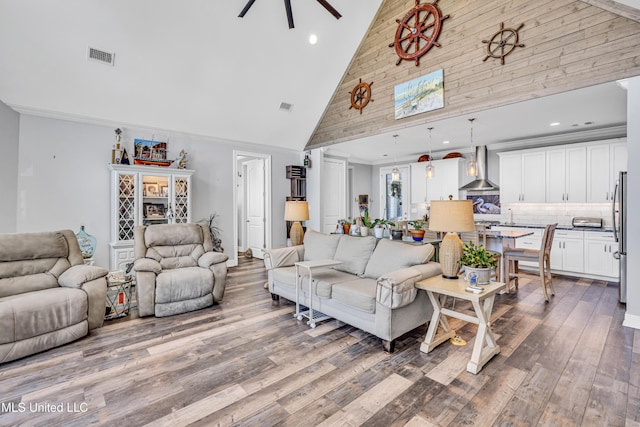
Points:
250	363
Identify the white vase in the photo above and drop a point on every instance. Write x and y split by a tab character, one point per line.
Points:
364	231
483	274
378	232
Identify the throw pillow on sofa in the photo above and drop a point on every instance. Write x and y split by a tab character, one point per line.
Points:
390	256
319	245
354	252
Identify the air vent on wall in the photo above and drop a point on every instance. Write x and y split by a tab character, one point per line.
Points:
101	56
284	106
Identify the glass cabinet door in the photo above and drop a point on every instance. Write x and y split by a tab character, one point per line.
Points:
180	207
155	199
126	200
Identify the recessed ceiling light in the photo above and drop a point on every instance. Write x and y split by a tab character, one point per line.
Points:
313	39
554	124
446	142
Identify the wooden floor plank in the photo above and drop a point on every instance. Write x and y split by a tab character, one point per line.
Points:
247	361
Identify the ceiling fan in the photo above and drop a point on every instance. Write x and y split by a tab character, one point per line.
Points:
287	6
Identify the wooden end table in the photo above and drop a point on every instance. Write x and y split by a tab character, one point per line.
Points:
438	289
310	266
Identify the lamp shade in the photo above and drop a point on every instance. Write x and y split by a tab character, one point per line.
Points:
296	210
451	216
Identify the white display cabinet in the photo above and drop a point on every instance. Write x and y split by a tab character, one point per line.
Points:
144	195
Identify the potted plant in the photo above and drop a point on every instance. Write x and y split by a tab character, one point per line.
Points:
478	260
379	225
346	225
365	224
417	233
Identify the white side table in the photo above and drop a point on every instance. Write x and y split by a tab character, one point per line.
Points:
310	266
485	346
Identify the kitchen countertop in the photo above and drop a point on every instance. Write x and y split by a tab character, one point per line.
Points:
559	227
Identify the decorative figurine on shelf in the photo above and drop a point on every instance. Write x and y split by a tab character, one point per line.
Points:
125	157
87	243
116	152
182	159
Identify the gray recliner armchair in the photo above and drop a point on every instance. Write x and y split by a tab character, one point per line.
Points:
48	297
176	269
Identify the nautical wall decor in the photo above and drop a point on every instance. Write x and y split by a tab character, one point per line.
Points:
418	32
503	43
361	95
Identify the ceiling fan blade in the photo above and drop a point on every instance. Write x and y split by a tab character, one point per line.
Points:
330	8
246	8
287	6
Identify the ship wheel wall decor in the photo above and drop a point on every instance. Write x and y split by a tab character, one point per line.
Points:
418	31
287	8
503	43
361	95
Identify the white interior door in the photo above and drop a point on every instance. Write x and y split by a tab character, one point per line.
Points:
334	187
255	207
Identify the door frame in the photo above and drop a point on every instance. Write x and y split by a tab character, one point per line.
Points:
267	198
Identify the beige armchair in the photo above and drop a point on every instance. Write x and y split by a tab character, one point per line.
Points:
48	297
176	269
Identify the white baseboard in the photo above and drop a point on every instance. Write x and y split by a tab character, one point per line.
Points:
631	321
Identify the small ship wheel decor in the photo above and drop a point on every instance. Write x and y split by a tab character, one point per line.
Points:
418	32
503	43
361	95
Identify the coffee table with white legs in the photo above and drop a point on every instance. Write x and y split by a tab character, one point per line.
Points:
438	288
310	266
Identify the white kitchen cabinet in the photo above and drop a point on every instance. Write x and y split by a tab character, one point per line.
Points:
448	178
144	195
566	169
522	177
598	254
567	251
418	182
604	161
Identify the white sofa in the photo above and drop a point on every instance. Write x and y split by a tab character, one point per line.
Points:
373	289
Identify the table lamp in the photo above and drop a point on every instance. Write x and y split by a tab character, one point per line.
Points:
451	217
296	211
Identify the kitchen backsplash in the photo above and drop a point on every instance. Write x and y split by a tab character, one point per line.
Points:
549	213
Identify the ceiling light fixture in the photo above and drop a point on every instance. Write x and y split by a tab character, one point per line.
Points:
472	165
430	169
313	39
554	124
446	142
395	172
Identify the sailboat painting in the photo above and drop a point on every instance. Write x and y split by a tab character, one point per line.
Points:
419	95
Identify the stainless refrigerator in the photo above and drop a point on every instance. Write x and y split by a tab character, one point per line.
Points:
620	231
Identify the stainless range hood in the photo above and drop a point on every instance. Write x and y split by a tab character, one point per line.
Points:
482	182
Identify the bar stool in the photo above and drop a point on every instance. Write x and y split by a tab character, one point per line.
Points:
542	256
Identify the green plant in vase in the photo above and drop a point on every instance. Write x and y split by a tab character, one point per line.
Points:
478	260
417	232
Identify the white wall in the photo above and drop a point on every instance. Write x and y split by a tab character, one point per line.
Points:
64	181
362	184
9	139
632	317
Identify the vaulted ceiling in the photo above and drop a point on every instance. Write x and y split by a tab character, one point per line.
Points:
192	68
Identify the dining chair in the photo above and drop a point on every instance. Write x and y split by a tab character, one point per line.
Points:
474	236
542	256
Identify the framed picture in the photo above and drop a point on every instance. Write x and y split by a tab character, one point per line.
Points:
363	199
151	189
164	191
154	210
485	204
150	150
419	95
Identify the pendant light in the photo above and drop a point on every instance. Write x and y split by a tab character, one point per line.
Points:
430	170
472	165
395	172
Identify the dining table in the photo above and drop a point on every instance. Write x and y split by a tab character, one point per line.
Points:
508	240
